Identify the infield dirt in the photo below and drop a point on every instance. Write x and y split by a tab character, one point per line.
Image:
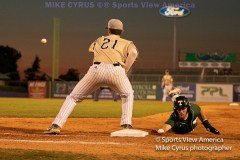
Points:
92	136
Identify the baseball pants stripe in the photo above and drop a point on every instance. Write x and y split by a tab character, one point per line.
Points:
98	75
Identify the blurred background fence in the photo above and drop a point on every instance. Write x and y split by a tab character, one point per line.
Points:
146	86
228	79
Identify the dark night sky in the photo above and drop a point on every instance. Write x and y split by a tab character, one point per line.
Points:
212	26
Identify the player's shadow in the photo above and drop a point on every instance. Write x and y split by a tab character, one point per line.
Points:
6	130
15	131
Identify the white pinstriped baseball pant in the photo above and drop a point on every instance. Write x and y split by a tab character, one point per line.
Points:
166	90
99	75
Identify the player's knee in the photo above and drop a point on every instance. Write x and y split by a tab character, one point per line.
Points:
127	95
75	98
70	97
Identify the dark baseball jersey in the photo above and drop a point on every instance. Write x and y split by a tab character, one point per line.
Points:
185	126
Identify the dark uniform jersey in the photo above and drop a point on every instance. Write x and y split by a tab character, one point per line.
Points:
185	126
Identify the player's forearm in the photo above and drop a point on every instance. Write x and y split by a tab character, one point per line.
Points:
130	59
209	127
206	123
202	117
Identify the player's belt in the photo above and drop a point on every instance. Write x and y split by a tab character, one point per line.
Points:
114	64
97	63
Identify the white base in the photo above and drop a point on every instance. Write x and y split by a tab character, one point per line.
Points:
129	133
233	104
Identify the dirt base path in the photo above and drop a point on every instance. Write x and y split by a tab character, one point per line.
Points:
92	136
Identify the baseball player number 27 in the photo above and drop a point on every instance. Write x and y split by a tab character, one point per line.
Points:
106	41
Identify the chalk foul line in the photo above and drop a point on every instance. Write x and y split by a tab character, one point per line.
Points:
64	142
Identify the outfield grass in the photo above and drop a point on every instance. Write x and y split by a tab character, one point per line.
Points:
11	154
26	107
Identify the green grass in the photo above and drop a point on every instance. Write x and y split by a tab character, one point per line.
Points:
19	154
26	107
12	154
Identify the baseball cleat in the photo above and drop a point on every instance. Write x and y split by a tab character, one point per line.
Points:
175	91
127	126
53	129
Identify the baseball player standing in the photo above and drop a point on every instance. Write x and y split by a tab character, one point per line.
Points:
167	85
113	57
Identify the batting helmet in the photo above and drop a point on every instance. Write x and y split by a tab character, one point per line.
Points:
181	102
